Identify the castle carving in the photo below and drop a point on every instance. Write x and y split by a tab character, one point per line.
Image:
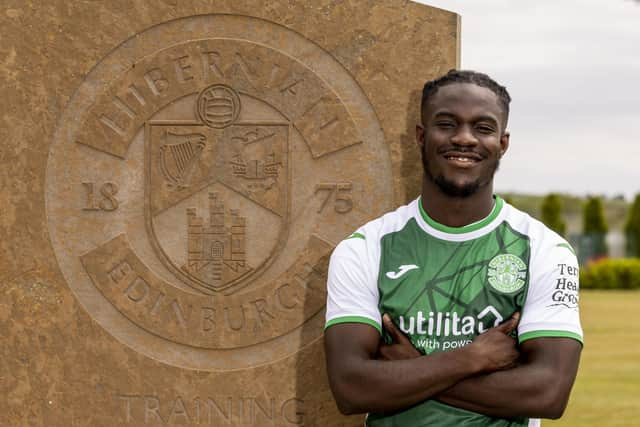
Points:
216	248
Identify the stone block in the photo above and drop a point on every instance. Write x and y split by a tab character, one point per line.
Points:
174	177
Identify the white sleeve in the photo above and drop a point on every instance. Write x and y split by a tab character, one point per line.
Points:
352	290
551	308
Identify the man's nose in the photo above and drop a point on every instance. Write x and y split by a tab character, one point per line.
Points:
464	136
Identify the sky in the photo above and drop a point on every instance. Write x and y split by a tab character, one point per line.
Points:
572	68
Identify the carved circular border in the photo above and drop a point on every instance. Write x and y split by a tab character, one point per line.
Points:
116	63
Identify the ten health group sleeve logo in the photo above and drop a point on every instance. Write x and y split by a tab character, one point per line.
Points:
197	182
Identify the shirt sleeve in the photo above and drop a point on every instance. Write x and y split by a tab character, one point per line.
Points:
551	308
352	291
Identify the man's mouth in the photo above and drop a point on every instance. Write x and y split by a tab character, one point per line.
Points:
465	159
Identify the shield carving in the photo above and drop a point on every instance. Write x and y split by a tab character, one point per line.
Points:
217	193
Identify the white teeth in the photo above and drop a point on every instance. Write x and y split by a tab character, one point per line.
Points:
462	159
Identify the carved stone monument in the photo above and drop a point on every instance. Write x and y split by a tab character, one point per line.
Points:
174	177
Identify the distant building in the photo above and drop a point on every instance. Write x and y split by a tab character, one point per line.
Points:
216	251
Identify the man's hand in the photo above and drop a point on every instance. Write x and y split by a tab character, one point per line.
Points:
400	347
495	348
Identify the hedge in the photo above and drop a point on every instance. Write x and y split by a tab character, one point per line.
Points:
611	274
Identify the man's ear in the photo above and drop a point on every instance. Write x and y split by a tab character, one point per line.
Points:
420	135
504	143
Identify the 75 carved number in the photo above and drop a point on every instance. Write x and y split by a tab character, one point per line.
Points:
341	193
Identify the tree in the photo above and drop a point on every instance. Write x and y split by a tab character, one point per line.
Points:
632	229
594	228
552	214
594	221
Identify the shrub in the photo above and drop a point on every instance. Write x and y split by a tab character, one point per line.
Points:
611	274
552	214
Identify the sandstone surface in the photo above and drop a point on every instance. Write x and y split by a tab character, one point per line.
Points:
174	177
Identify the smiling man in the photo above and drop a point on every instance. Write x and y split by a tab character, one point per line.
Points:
456	309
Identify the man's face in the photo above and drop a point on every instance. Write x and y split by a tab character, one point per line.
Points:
462	138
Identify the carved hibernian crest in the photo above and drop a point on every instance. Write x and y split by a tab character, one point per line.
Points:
177	160
208	184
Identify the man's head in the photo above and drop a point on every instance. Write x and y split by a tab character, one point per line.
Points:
463	132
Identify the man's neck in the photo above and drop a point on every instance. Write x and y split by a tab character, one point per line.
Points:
456	211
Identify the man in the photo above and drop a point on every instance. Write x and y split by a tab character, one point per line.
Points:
422	302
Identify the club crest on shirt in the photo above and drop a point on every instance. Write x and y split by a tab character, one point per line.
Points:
506	273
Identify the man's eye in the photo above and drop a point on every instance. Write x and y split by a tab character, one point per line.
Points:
485	129
445	125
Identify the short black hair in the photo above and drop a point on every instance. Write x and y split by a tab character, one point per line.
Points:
465	76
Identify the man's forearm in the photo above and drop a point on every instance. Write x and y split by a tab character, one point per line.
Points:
538	388
386	386
521	391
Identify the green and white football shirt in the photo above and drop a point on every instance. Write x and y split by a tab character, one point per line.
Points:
443	286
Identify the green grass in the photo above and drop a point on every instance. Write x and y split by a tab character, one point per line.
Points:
607	390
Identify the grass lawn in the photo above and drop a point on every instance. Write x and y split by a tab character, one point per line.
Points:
607	390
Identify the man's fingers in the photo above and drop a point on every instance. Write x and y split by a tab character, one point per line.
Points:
516	316
507	326
389	326
392	329
510	324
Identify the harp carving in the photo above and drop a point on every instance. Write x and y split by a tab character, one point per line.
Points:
179	155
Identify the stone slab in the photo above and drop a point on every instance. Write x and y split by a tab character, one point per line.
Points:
174	177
